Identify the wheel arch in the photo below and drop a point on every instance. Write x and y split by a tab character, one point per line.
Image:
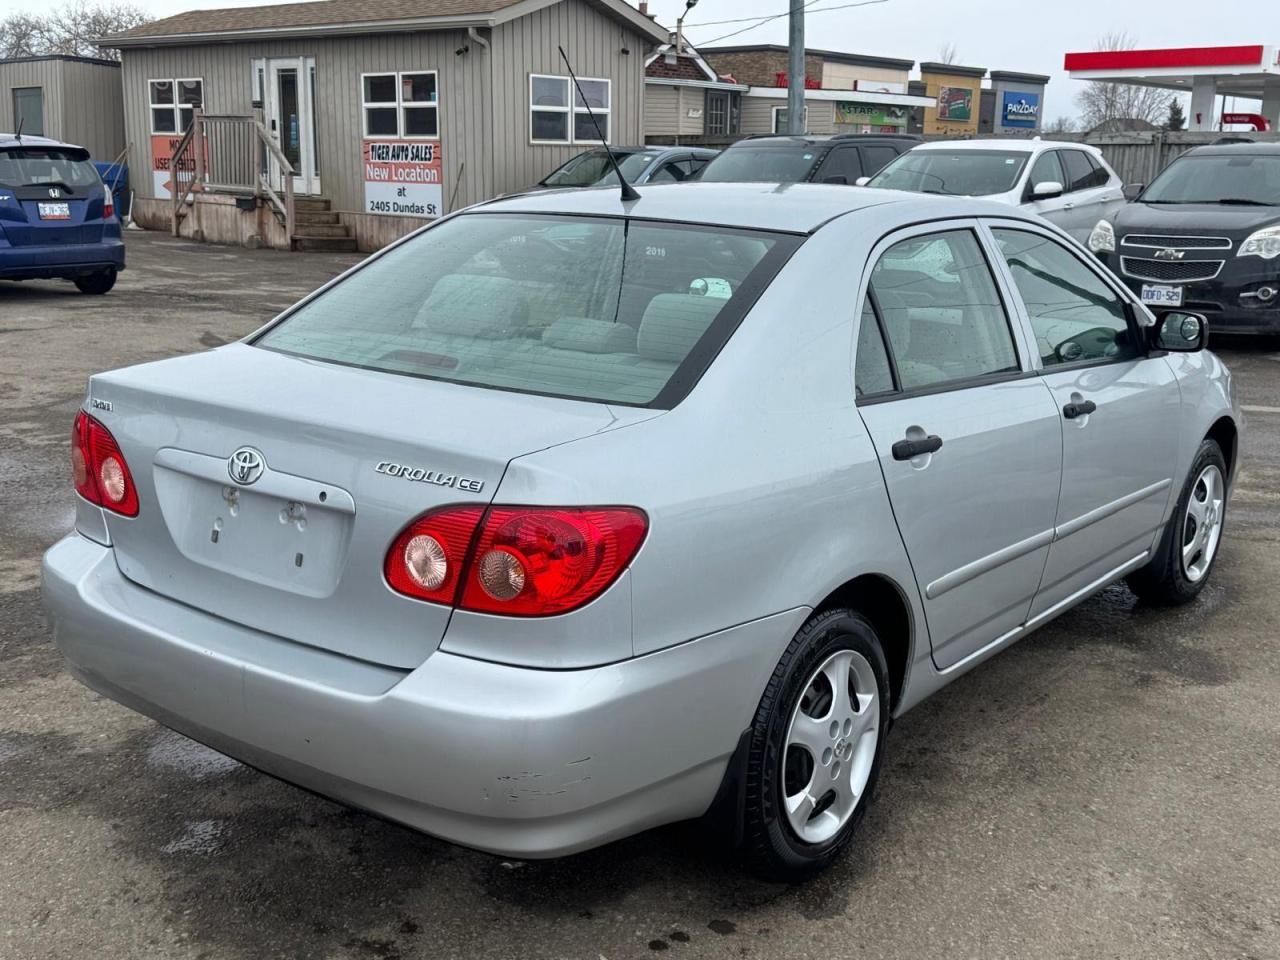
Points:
1227	436
882	601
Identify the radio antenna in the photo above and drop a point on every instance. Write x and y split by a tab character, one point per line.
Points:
628	191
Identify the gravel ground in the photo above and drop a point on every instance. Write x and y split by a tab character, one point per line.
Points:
1109	787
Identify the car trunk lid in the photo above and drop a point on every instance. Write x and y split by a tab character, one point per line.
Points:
271	486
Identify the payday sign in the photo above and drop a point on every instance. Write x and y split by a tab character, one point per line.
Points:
403	178
1021	109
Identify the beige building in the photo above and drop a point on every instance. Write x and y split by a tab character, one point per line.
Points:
388	112
957	95
73	99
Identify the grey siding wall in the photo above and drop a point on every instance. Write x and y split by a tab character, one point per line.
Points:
463	85
757	115
82	102
46	74
93	108
666	110
594	44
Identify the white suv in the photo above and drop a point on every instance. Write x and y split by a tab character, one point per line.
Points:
1069	184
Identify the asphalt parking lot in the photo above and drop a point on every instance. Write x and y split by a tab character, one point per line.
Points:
1110	787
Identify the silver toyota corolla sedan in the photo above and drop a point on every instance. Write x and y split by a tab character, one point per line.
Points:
567	516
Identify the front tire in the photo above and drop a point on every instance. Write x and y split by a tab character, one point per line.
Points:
97	283
816	747
1186	552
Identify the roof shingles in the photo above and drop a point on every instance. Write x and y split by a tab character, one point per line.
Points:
318	13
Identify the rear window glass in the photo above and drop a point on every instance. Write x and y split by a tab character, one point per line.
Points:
36	166
961	173
762	164
611	310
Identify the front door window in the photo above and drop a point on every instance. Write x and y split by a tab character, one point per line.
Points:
290	121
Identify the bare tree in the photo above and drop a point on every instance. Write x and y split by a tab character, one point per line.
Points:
21	35
1102	101
1062	125
948	53
72	28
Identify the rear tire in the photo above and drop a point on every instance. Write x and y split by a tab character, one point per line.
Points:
97	283
815	748
1188	549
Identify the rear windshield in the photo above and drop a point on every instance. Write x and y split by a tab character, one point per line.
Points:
593	169
35	166
762	164
960	173
611	310
1250	180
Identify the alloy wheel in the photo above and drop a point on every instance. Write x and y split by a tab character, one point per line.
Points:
831	746
1202	524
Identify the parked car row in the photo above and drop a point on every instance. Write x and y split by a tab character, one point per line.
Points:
1205	234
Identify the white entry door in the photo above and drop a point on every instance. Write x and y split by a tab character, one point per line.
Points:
286	87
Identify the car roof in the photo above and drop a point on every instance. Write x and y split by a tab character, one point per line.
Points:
783	207
1237	149
1005	143
814	139
11	140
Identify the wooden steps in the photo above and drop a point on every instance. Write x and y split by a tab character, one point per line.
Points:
317	228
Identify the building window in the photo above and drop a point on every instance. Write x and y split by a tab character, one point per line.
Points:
780	119
555	118
724	113
405	105
174	104
28	110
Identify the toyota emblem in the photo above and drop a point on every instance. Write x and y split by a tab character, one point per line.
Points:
246	466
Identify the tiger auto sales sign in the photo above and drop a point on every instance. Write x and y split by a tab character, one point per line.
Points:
403	178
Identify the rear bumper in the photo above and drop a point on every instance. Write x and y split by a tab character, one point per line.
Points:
514	761
52	261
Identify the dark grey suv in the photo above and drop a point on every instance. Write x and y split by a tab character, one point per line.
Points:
839	158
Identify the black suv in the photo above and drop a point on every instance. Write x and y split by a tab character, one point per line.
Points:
842	158
1205	236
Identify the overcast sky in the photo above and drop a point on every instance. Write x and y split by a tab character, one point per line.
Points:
1021	35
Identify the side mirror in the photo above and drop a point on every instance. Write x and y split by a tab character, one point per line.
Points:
1179	332
1046	190
1132	190
862	181
836	178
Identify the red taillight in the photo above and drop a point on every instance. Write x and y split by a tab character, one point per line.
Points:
109	206
515	561
417	568
98	468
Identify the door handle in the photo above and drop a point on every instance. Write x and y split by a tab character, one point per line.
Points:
909	449
1080	408
1068	206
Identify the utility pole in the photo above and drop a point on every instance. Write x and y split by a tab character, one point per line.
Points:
795	75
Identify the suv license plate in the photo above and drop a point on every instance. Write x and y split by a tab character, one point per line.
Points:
1160	296
55	211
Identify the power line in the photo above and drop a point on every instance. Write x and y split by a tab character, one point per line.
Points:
761	21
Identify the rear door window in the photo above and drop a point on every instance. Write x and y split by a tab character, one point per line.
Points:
841	166
618	311
1080	172
875	157
942	311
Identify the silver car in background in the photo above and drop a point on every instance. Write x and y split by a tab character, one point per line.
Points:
567	517
1069	184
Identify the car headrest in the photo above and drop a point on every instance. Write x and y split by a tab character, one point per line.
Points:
488	308
673	323
590	336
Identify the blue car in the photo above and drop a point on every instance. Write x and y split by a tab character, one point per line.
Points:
57	217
